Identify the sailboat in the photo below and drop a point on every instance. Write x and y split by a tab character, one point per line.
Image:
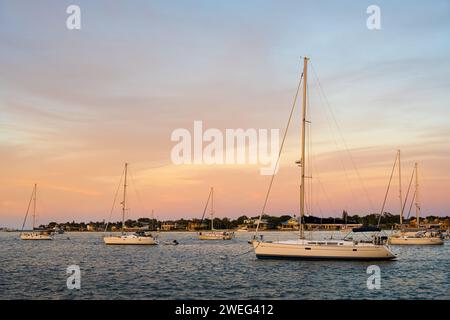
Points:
33	235
138	238
302	248
418	237
213	234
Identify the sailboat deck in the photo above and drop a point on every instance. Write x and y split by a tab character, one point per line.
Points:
324	243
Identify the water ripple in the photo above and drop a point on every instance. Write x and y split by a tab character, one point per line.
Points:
207	270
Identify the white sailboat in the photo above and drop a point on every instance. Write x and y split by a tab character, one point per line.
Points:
33	234
138	238
311	249
419	237
213	234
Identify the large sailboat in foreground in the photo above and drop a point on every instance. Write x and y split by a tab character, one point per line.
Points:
34	234
213	234
311	249
418	236
138	238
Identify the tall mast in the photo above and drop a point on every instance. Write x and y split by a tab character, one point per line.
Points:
212	208
153	219
302	159
417	196
34	206
124	204
400	187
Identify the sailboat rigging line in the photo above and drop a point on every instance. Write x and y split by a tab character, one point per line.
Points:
317	178
308	185
138	196
328	118
407	193
206	207
28	209
387	192
319	181
279	154
413	199
309	201
42	205
343	140
115	199
412	202
247	252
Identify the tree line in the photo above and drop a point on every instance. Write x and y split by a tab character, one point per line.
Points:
387	220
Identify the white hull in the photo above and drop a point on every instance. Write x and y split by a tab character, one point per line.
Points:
415	241
130	240
216	236
326	250
405	234
35	236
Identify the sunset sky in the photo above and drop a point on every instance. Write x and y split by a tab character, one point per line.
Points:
75	105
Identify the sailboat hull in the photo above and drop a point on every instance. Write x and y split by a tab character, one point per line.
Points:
336	250
415	241
35	236
215	236
130	240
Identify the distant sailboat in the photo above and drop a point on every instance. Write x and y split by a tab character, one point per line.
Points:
34	235
213	234
138	238
418	237
311	249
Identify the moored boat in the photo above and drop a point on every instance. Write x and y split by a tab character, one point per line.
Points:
213	234
34	234
415	240
130	239
216	235
407	237
322	250
302	248
137	238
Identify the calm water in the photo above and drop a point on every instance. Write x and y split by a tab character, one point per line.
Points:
207	270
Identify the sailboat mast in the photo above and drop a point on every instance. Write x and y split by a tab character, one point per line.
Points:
153	219
124	197
417	196
400	187
34	205
212	208
303	139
